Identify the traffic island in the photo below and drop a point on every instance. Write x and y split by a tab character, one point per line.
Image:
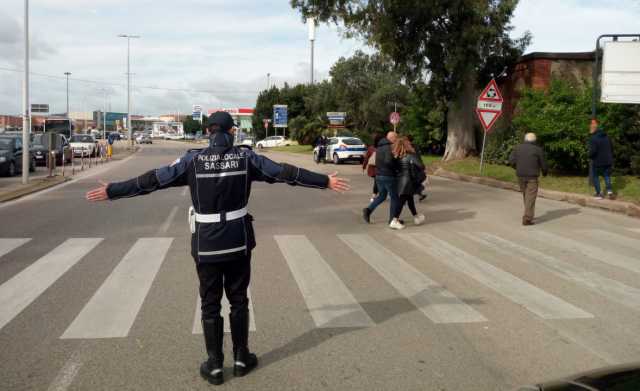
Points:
623	207
35	185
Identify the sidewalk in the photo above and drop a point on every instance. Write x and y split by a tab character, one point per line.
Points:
12	188
627	208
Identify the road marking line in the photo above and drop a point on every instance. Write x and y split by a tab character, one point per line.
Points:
113	308
612	237
184	192
437	303
589	251
9	244
68	373
226	309
637	230
611	289
329	301
167	223
519	291
23	288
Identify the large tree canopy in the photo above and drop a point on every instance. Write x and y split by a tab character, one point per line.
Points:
454	45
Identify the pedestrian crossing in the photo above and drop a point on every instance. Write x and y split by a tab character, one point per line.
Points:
331	301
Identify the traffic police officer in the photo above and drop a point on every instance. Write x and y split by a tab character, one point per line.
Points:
220	178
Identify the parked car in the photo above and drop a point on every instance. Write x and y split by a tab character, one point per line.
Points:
41	148
341	149
273	141
11	156
84	145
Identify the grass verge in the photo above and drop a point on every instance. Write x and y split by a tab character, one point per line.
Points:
627	188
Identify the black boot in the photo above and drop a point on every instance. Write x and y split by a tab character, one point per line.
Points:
244	360
212	369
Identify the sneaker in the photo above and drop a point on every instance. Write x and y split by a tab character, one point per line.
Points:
371	199
422	197
396	224
366	215
598	196
419	219
611	195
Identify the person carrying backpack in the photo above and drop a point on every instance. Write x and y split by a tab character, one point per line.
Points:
369	163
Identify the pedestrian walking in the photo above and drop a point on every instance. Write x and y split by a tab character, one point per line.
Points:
387	181
410	177
601	155
321	143
528	158
420	191
222	237
369	163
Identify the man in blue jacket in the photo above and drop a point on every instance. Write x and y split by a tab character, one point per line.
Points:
601	155
219	178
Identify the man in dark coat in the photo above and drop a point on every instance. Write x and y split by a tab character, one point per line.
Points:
528	158
601	155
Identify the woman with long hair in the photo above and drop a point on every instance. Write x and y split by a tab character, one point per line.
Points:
369	163
409	176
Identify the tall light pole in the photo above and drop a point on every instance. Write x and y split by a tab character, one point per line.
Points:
26	115
68	119
104	113
129	126
312	38
268	81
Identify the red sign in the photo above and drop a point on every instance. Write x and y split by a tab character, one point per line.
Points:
489	107
394	118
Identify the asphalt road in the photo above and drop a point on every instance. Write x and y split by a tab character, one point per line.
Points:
104	296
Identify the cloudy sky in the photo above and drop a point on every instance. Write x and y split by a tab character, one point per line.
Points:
217	53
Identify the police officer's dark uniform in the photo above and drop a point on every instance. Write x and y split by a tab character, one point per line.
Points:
220	178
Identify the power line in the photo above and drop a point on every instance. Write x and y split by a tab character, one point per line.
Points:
232	92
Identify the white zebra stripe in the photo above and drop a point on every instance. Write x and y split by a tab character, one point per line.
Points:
23	288
433	300
329	301
519	291
113	308
9	244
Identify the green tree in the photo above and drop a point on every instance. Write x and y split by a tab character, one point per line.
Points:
454	44
190	126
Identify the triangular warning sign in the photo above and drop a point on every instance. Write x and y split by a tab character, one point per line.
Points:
488	118
491	92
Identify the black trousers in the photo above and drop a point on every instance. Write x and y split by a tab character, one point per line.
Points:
234	276
406	199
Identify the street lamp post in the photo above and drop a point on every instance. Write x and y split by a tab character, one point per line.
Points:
129	126
312	37
26	116
68	119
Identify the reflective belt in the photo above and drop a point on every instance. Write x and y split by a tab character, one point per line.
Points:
216	218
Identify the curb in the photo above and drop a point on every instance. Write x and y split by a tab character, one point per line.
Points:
623	207
34	187
38	185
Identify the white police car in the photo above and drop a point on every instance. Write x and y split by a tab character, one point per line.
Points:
341	149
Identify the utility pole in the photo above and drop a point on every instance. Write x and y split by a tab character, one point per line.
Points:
68	119
26	115
129	126
268	81
312	37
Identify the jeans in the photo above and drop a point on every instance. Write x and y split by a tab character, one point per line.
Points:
387	185
234	276
606	173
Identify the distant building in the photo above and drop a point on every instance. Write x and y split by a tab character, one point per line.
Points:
10	122
242	116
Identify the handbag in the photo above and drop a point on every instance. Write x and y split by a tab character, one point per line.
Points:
372	159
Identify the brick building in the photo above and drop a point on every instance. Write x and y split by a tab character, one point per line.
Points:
536	70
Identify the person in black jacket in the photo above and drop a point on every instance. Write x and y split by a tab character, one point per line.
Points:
601	155
410	177
222	237
528	158
387	181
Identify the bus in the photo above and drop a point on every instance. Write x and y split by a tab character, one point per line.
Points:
64	126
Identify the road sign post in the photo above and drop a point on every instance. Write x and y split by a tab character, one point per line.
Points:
489	109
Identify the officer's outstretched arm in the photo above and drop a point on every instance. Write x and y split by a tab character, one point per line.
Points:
160	178
264	169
